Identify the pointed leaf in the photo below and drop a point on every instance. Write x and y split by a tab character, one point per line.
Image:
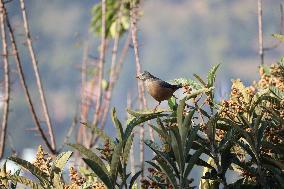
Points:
127	149
115	160
43	177
134	178
90	155
103	176
117	124
169	172
192	162
25	181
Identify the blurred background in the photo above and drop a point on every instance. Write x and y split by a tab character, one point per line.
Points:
177	38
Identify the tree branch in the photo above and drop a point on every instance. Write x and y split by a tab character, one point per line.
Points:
6	81
24	84
260	35
37	75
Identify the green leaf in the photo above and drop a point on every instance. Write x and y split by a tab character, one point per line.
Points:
280	37
180	110
57	167
25	181
60	161
198	92
191	83
144	113
117	124
138	120
177	148
90	155
212	75
134	178
172	103
192	162
190	139
127	149
277	92
161	132
162	155
200	80
43	177
103	176
115	160
169	172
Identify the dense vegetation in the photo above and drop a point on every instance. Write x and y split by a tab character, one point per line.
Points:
243	133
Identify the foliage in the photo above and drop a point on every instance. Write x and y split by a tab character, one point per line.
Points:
243	134
117	17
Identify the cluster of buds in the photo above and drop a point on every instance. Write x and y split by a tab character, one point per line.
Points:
240	98
187	89
76	179
272	134
99	185
275	78
159	178
220	134
248	175
43	161
106	151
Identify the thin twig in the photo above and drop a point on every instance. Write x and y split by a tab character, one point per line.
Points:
24	84
6	81
100	71
37	75
141	93
84	105
260	35
108	93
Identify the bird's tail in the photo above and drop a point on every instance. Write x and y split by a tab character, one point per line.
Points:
176	87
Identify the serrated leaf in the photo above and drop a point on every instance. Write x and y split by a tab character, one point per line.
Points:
133	122
99	172
191	83
134	178
90	155
115	160
117	124
200	80
169	172
162	155
127	149
25	181
212	75
57	167
31	168
192	162
144	113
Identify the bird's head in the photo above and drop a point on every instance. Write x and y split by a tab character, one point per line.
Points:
144	76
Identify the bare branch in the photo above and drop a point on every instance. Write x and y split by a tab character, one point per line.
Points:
37	75
141	89
100	71
24	84
6	81
260	35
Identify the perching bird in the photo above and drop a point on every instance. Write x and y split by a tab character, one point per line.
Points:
157	88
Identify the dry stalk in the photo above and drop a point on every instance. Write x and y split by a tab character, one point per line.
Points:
24	84
37	75
141	89
260	31
100	72
6	102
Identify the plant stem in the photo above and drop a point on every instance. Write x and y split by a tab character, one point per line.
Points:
37	75
6	81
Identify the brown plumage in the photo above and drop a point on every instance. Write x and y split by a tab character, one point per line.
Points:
157	88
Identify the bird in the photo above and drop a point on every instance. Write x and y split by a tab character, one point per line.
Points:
160	90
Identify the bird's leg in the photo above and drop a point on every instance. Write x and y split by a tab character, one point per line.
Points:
175	97
156	107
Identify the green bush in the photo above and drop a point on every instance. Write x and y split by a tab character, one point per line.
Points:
243	134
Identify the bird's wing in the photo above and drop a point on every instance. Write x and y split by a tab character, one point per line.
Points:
167	85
